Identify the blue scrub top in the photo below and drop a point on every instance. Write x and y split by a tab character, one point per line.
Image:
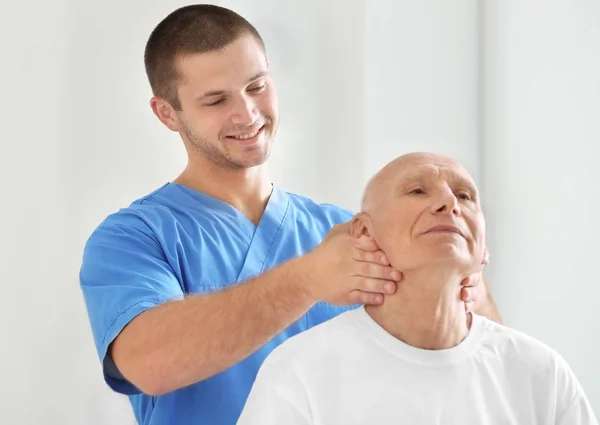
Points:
177	241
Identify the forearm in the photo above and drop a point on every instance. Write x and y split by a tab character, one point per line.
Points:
183	342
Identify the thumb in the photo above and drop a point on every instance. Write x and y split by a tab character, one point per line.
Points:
466	281
366	243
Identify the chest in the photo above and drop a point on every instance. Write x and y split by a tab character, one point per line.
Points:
385	392
211	253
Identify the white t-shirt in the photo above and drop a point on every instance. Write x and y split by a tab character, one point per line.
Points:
349	370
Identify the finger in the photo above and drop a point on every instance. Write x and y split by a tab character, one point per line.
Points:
469	306
366	244
473	280
380	286
468	293
371	256
464	295
376	271
361	297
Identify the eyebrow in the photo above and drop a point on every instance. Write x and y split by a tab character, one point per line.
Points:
469	186
455	180
222	92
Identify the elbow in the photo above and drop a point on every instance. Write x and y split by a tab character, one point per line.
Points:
149	376
156	376
153	389
147	373
153	371
157	379
147	384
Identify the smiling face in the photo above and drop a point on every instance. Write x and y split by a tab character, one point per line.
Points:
422	210
228	104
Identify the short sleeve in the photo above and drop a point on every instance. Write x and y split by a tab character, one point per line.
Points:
124	273
572	406
579	412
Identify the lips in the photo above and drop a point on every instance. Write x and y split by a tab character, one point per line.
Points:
247	134
445	228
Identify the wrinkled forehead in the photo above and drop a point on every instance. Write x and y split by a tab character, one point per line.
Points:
423	172
416	169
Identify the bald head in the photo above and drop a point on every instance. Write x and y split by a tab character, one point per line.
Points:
404	168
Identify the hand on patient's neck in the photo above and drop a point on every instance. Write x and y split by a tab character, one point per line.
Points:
426	310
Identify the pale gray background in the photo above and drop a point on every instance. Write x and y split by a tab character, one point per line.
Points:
509	87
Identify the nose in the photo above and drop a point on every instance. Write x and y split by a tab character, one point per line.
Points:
245	112
446	203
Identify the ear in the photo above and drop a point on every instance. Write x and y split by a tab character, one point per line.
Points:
486	257
361	226
165	113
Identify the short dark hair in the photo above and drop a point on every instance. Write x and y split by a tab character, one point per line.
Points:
199	28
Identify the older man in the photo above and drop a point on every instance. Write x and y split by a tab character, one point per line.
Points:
419	358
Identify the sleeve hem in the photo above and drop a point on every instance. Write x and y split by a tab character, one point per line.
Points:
121	385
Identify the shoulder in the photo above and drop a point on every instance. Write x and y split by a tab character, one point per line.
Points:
151	208
145	216
518	347
509	339
310	349
332	213
539	363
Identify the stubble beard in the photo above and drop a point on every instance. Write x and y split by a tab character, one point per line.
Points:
244	158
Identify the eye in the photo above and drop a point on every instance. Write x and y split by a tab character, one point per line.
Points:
215	103
417	191
464	196
258	89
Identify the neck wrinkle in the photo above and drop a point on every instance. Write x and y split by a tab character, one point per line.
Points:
426	311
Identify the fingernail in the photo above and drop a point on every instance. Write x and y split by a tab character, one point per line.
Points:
389	288
396	275
384	259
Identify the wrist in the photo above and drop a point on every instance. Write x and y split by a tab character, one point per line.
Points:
301	276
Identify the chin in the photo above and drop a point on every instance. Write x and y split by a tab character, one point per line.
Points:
454	256
252	159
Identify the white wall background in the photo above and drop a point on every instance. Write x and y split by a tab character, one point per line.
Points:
510	88
541	134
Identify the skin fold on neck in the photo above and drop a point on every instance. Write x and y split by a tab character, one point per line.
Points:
426	311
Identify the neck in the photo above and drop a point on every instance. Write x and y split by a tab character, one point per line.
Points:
426	310
246	189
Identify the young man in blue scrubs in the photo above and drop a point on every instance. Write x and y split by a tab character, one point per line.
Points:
190	287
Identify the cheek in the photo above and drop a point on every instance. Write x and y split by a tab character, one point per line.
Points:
209	124
479	229
203	122
392	233
268	103
477	225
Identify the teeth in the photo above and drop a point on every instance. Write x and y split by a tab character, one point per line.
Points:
247	136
